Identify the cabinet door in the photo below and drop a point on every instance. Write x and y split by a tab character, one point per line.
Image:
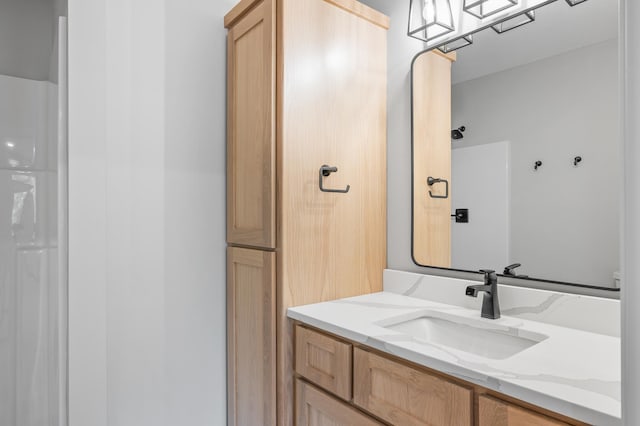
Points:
332	78
402	395
251	337
251	188
325	361
432	158
493	412
316	408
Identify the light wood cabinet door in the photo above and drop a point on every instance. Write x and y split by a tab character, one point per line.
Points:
316	408
402	395
332	111
325	361
493	412
251	334
432	158
251	148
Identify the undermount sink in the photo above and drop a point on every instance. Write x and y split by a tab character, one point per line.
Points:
493	343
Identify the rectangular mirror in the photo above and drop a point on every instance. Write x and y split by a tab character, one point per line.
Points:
516	150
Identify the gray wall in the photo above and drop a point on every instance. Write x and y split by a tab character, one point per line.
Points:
26	38
564	219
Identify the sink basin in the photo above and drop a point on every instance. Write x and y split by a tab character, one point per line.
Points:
484	341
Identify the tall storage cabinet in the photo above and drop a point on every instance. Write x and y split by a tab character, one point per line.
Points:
306	90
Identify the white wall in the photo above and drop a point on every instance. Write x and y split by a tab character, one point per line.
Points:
146	212
564	219
26	38
480	182
401	51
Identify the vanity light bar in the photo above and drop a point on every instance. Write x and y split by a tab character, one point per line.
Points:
515	22
484	8
456	44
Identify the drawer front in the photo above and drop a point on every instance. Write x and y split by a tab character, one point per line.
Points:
493	412
325	361
403	395
316	408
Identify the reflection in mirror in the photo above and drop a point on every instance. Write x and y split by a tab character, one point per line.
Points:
533	179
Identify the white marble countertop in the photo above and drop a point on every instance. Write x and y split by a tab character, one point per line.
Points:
572	372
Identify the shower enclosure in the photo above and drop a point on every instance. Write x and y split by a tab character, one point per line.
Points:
32	214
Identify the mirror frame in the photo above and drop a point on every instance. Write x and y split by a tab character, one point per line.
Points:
525	282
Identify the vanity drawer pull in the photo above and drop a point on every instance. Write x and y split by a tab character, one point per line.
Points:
325	361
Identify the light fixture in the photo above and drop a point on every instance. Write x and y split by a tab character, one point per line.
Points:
456	44
430	19
575	2
515	22
484	8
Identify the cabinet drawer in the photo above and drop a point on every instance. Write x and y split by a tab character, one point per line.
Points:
316	408
403	395
494	412
325	361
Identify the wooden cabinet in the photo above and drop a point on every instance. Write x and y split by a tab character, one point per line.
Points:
325	361
397	392
251	315
403	395
494	412
432	158
316	408
251	147
306	88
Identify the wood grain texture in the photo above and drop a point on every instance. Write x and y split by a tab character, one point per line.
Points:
431	157
251	339
316	408
331	110
242	8
403	395
325	361
363	11
494	412
251	149
478	391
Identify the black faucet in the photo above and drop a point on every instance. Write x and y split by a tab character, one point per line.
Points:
490	304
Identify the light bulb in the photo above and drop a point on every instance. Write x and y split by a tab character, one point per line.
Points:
429	12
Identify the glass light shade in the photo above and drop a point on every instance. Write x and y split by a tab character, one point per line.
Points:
484	8
430	19
575	2
515	22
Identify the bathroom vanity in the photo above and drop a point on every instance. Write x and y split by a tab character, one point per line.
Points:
397	357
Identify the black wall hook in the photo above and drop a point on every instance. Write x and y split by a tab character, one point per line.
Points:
537	164
577	160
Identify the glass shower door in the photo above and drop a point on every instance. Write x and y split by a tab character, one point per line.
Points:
32	307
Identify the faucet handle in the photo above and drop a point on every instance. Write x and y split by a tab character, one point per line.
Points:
510	270
489	276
